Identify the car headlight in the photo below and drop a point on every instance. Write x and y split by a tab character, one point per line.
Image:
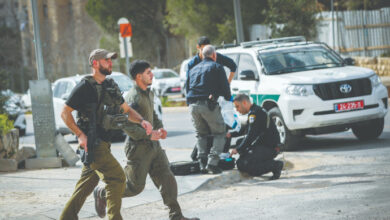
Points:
375	81
299	90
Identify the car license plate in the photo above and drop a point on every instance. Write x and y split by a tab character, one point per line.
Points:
349	106
175	89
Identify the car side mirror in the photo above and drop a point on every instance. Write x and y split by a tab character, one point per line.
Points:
349	61
247	75
65	96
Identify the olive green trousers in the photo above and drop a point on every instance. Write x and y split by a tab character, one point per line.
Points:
145	157
106	168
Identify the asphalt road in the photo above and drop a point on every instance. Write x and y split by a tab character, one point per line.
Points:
181	134
333	176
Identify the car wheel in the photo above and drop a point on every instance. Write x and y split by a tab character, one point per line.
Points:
22	132
287	139
369	130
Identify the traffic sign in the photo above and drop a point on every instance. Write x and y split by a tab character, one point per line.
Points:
125	30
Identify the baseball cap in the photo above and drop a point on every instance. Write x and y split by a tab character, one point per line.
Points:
203	41
98	54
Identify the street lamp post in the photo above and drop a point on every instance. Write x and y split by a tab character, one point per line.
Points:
237	16
42	109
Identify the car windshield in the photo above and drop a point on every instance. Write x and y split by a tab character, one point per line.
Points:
164	74
123	81
294	60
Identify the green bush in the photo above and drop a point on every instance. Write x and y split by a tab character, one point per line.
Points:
5	124
165	102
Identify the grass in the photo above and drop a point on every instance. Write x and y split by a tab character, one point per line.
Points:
166	102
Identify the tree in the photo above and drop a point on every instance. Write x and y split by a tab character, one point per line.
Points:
146	17
215	19
292	18
10	60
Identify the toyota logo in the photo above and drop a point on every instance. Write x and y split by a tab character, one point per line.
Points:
345	88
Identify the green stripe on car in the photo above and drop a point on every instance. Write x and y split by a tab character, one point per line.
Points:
260	98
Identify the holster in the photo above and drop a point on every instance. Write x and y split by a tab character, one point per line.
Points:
212	104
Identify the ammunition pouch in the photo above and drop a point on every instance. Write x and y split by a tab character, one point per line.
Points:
111	122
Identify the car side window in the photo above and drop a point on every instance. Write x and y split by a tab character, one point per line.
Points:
59	89
69	87
234	57
247	63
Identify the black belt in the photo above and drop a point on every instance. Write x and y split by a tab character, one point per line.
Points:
197	100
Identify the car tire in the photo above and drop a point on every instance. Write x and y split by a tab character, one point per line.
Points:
369	130
22	132
287	139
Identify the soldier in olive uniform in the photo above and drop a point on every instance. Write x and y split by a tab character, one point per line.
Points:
143	151
94	98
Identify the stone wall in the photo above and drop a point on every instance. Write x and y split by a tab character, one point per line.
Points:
381	65
9	144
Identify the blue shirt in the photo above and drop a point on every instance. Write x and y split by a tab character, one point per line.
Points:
207	78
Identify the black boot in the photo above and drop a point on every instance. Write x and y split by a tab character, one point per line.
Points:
277	170
214	169
202	165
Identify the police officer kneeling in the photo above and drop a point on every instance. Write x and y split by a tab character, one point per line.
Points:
258	149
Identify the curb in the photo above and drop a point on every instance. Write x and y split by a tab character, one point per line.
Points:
227	177
175	109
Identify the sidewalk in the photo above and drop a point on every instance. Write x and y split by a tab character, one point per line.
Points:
42	194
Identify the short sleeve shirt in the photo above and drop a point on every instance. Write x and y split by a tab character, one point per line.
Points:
83	94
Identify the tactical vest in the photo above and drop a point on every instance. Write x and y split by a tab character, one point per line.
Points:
109	99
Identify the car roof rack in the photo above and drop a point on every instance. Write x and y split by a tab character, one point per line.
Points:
274	41
224	46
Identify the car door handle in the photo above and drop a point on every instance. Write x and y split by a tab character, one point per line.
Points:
235	89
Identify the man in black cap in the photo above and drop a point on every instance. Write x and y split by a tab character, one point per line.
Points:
221	59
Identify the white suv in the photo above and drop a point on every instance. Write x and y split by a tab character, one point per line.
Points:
308	88
64	86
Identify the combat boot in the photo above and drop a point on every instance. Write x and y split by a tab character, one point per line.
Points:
277	170
100	201
202	165
214	169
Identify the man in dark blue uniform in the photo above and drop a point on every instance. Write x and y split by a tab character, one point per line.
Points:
221	59
205	83
258	149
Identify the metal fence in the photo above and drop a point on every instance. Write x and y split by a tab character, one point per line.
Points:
356	33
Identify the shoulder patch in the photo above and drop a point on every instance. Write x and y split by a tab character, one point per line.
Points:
252	118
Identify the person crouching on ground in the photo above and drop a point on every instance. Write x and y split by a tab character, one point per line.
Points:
258	149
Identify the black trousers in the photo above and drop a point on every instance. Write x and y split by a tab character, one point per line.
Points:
258	161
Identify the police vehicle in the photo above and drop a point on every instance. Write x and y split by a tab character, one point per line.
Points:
308	88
